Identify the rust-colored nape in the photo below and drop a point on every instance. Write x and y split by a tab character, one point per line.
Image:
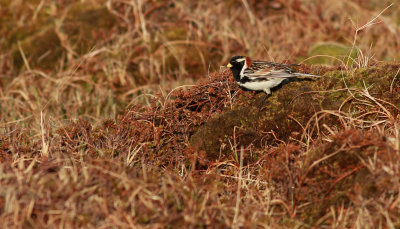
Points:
248	61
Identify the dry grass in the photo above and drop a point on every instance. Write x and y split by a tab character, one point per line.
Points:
96	129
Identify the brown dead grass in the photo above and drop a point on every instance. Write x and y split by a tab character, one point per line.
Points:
141	170
95	131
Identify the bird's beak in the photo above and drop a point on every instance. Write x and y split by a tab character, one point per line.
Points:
229	65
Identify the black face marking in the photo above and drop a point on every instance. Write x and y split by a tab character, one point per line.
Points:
237	66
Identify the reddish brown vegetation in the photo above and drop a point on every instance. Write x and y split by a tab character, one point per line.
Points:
142	168
92	135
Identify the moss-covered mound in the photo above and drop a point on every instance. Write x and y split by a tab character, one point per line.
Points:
288	111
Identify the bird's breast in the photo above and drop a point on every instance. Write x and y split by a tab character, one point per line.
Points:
260	85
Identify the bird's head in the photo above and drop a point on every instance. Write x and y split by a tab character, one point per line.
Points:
238	62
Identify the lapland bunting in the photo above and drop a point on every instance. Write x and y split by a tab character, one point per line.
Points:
260	75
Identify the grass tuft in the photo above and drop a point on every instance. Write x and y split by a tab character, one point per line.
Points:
119	114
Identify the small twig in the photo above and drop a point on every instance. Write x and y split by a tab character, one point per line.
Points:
235	218
317	162
26	62
391	84
342	177
45	145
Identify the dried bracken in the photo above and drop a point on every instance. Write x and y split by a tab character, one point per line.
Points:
95	132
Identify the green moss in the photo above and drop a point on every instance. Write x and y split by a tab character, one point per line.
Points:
86	23
330	52
175	33
220	129
290	108
42	50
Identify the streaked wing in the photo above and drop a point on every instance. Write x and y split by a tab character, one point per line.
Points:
261	62
264	69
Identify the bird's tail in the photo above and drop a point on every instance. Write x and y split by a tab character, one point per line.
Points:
305	76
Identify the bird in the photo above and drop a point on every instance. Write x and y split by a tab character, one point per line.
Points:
259	75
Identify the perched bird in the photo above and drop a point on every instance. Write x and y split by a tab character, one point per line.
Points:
262	75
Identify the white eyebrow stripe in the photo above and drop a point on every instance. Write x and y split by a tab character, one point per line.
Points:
241	60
